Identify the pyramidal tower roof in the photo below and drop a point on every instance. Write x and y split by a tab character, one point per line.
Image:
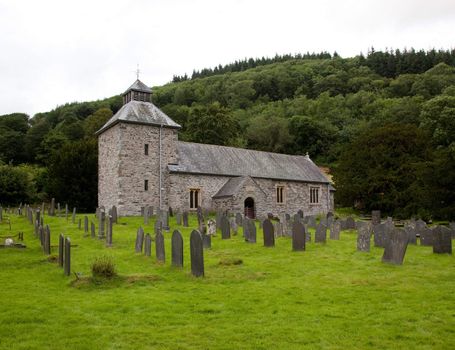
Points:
139	86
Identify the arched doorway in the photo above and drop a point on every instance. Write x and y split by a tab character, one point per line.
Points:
249	208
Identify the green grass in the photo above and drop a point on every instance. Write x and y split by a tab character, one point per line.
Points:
328	297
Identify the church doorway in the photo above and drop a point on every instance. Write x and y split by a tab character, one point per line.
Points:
249	208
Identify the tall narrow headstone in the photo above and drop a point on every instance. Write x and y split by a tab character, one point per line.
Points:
86	225
102	223
47	242
109	231
335	230
321	233
225	228
185	219
73	217
158	226
178	218
379	232
278	229
245	228
395	247
61	247
269	235
114	215
79	224
177	249
139	240
234	227
298	236
300	213
239	219
66	212
197	254
67	257
52	207
363	237
92	230
159	247
251	230
442	240
148	245
164	217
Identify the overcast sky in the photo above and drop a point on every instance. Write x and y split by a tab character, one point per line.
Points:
53	52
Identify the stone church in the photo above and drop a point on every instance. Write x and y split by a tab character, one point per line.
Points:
142	162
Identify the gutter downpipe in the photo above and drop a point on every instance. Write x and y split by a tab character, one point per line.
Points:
160	145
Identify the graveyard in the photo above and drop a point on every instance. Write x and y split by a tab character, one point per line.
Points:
272	293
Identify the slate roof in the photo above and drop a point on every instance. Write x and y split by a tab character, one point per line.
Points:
139	86
231	187
197	158
140	113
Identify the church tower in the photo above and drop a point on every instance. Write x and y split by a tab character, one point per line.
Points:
135	148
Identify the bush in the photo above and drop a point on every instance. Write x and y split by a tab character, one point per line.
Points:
103	267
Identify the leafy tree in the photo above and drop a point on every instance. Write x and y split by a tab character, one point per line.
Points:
269	134
13	128
95	121
15	185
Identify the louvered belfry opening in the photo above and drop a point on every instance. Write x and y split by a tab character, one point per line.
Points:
137	92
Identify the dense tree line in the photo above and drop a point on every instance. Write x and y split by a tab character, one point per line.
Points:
384	124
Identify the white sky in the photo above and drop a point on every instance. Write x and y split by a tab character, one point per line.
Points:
58	51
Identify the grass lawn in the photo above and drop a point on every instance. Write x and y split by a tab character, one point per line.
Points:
328	297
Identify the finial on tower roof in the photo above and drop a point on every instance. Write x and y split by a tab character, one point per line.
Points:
137	72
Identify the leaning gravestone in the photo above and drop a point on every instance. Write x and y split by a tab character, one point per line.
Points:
177	249
185	219
251	231
225	228
375	217
269	235
207	241
426	236
442	240
148	245
395	248
335	229
321	234
61	247
197	254
410	231
363	237
139	240
298	236
159	247
67	257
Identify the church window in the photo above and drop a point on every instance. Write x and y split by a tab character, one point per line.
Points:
194	198
146	149
146	185
280	194
314	195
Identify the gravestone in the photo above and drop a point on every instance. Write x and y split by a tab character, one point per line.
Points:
363	237
218	217
239	219
67	257
329	221
442	240
61	248
211	227
395	247
296	217
52	207
38	215
269	235
114	215
329	215
300	213
379	232
164	218
197	254
321	233
41	235
146	215
225	228
148	245
171	212
251	231
411	232
375	217
73	218
234	227
97	213
245	229
335	230
185	219
47	242
278	229
86	225
311	221
66	211
157	226
177	249
178	218
350	223
200	219
109	231
92	229
287	217
426	236
298	236
58	209
159	247
139	240
207	241
79	224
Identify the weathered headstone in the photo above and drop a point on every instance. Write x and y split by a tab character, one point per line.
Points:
52	207
379	232
239	219
245	229
218	216
211	227
47	242
300	213
411	232
251	231
363	237
395	248
67	257
79	224
61	248
278	229
146	215
178	218
234	227
109	231
225	228
426	236
86	224
375	217
73	218
177	249
148	245
102	223
66	212
335	229
92	230
139	240
321	233
114	215
350	223
159	247
269	235
207	241
296	217
442	240
312	221
164	218
185	219
197	254
298	236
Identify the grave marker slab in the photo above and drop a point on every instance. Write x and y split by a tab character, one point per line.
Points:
426	236
225	228
197	254
363	237
251	231
114	215
159	247
139	240
185	219
109	231
335	230
321	233
73	217
67	257
269	235
375	217
178	218
298	236
239	219
148	245
61	248
395	248
350	223
177	249
442	240
411	232
207	241
92	229
86	224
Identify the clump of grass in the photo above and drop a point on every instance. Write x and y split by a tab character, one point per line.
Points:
103	267
231	261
